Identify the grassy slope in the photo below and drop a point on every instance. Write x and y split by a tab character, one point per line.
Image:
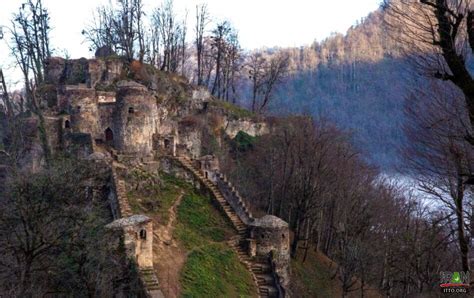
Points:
159	199
212	268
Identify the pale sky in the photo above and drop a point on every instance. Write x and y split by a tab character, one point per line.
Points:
261	23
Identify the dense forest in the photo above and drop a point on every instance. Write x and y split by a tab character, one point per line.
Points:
359	81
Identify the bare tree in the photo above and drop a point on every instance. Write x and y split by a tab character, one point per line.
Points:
219	37
232	66
202	20
121	29
172	36
437	34
265	74
31	49
439	156
100	33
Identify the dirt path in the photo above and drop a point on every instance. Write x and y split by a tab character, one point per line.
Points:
168	257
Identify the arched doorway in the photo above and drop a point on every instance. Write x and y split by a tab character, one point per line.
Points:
67	124
109	136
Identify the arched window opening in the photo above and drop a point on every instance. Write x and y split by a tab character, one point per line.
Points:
143	234
109	135
167	143
283	236
131	110
78	109
67	124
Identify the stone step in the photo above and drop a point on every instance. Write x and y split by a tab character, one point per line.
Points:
147	271
267	291
261	268
264	279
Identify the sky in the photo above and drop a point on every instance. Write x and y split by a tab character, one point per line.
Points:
260	23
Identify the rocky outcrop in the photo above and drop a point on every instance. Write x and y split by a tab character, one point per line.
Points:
248	126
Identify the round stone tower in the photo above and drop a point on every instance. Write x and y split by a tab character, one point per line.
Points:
134	119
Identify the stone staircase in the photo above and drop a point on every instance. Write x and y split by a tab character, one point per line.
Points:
123	205
259	268
150	282
121	210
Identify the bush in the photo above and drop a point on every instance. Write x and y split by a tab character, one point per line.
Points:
243	141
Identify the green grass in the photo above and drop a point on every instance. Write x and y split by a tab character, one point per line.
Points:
200	223
215	271
234	110
158	199
212	268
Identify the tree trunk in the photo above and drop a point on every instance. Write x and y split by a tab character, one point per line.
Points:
296	238
463	242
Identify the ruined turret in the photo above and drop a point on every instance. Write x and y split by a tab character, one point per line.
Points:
138	238
134	119
271	238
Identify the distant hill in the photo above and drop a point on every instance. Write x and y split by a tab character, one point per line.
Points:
357	80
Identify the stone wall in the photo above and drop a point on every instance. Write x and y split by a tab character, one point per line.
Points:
249	127
137	233
118	197
189	141
81	104
92	72
234	199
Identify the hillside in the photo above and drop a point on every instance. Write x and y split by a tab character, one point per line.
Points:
315	277
191	254
358	80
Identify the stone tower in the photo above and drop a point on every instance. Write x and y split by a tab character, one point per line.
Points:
134	119
138	238
271	239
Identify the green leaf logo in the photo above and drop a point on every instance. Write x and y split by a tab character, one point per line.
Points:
456	279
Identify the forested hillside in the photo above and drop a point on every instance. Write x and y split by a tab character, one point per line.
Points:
357	80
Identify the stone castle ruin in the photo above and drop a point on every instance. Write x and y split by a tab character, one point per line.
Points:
109	109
